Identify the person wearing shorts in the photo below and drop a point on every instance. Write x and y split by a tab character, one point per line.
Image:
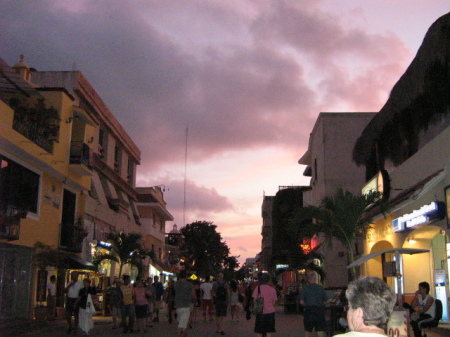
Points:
313	298
207	300
184	293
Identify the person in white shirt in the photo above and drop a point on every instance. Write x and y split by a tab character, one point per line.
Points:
422	307
207	301
51	298
72	290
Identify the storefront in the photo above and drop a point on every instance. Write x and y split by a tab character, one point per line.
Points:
408	242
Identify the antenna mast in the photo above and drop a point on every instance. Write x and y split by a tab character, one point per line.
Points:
185	174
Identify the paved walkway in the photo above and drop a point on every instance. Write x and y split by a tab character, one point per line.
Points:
287	325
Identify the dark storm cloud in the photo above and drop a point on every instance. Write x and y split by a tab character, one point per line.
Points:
239	76
250	96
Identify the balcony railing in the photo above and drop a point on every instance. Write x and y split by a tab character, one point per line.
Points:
80	153
10	223
81	157
41	135
71	237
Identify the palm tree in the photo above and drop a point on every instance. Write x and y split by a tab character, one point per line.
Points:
126	248
340	216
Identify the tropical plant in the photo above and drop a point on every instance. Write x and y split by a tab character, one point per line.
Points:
126	248
340	216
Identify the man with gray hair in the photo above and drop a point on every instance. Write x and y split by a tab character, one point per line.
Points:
371	302
313	298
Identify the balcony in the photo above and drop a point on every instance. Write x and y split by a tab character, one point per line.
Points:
71	237
80	158
10	223
41	135
35	121
118	205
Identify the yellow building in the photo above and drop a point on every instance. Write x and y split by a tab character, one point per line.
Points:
44	176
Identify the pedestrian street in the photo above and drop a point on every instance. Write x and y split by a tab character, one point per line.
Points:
287	325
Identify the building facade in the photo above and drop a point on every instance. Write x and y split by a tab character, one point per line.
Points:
329	163
43	186
153	216
68	178
405	151
266	232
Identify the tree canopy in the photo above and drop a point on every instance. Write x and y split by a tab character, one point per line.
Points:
203	250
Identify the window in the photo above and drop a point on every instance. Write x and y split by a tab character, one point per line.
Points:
101	143
19	186
117	159
315	169
130	170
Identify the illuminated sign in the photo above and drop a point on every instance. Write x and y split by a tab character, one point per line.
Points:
282	266
426	213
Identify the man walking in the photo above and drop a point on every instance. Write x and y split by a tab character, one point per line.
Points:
184	294
221	300
128	304
313	298
72	290
159	291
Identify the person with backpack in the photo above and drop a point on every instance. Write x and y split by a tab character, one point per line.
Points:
220	293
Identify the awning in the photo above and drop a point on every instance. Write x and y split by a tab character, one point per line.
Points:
74	262
160	265
367	257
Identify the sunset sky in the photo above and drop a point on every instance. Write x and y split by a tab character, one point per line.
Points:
248	79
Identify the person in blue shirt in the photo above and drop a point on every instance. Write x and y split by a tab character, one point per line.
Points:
313	298
159	292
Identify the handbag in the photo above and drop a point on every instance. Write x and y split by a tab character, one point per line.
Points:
258	304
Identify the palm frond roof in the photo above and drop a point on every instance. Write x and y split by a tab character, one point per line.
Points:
422	91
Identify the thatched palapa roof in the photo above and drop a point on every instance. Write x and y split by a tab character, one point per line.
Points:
422	92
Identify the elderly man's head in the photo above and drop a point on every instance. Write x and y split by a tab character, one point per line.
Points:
374	298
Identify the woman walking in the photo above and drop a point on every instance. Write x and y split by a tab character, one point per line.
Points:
141	304
87	310
234	300
265	322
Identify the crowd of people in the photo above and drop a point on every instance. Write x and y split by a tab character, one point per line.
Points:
136	307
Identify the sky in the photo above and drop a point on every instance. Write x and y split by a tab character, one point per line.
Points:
238	83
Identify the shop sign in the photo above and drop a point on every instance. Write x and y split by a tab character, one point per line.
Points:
433	211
